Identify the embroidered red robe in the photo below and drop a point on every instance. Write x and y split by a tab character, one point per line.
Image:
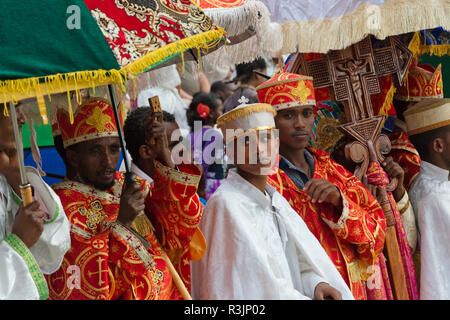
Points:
405	154
352	239
109	261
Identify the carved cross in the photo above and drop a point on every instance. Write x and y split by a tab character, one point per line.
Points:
352	76
155	104
157	116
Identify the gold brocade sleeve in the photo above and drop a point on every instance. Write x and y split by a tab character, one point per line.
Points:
362	221
175	211
105	260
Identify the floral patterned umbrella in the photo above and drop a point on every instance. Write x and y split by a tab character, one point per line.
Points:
66	45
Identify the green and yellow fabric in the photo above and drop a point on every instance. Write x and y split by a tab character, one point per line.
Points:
64	45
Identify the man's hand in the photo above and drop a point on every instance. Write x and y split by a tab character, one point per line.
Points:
324	291
394	170
132	202
29	223
373	189
157	131
320	190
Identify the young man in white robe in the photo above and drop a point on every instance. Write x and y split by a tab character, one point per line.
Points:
257	246
33	238
428	125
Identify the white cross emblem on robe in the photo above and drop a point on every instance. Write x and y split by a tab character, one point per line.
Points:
243	100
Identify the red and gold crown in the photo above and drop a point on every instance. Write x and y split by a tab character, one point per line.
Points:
94	119
423	81
287	90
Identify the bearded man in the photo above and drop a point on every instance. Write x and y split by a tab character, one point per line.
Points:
116	252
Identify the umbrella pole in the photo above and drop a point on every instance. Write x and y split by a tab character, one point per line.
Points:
120	131
25	187
129	175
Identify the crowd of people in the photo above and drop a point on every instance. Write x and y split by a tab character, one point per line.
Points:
236	192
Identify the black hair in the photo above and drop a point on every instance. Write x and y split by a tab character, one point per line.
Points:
400	106
59	146
423	141
134	130
244	71
168	117
209	99
218	86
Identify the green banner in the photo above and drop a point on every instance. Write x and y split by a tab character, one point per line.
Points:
43	134
40	39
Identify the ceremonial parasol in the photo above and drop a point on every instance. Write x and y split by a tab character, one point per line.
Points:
320	26
68	45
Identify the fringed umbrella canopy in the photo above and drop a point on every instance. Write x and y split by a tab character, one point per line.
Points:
65	45
320	26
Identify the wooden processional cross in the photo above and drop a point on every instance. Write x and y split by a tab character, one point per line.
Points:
352	76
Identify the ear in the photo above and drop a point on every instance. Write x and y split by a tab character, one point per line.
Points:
438	145
255	76
146	152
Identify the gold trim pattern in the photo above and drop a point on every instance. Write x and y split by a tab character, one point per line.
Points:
94	214
400	147
89	190
178	176
417	99
403	210
134	243
275	83
344	215
293	104
430	127
354	271
245	111
91	136
79	231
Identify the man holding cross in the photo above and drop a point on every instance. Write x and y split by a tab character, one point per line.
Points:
116	252
345	218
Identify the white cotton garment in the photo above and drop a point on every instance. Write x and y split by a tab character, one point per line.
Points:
430	197
16	282
258	248
48	252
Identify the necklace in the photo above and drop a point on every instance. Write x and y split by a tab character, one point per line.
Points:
243	85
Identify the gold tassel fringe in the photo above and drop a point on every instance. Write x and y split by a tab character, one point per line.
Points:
391	18
162	54
388	100
16	90
435	50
